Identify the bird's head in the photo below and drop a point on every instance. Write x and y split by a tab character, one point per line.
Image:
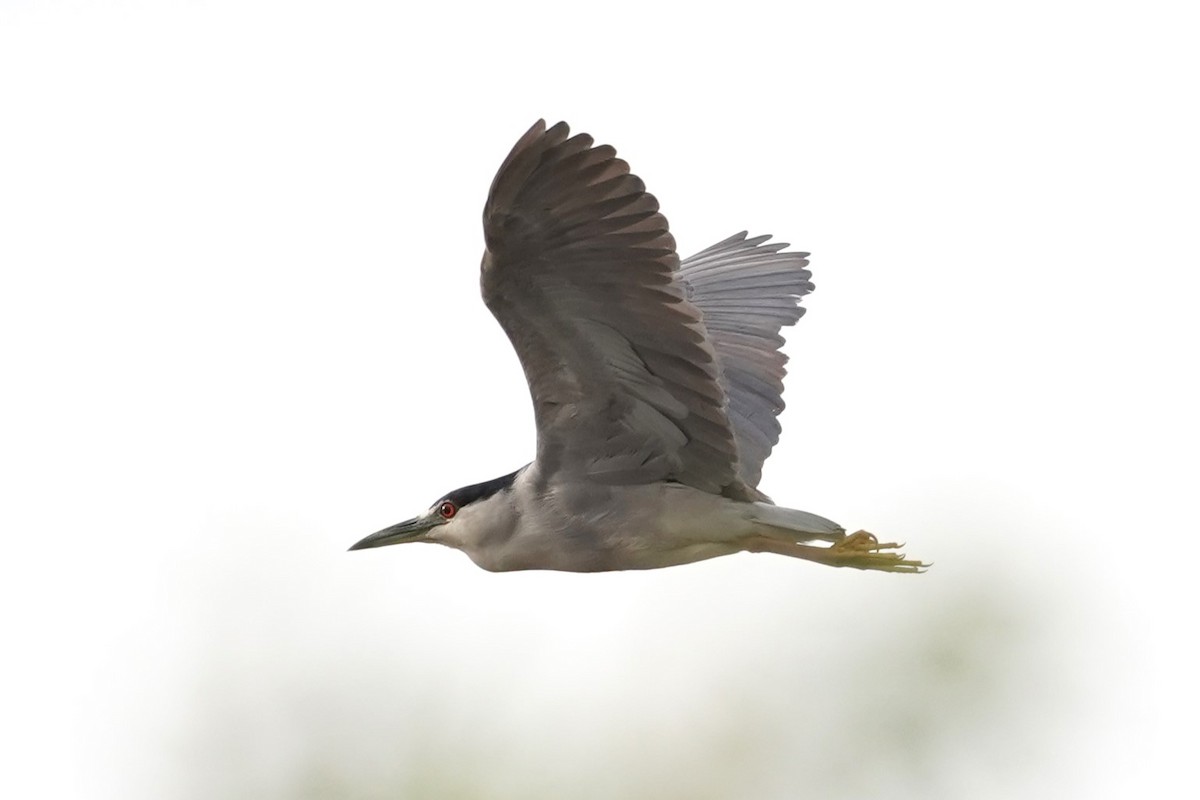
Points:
447	511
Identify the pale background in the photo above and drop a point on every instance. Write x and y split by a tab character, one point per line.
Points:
240	329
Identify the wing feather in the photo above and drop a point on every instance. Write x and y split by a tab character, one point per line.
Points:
747	290
581	272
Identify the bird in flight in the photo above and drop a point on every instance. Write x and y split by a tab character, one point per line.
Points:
656	383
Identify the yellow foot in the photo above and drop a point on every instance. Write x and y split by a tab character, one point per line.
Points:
862	550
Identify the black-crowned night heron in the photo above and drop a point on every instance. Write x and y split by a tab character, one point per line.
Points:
656	383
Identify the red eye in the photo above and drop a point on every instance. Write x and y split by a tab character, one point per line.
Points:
447	509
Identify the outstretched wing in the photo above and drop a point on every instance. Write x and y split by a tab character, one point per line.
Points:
580	271
747	291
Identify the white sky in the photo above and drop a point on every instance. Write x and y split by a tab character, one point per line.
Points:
240	329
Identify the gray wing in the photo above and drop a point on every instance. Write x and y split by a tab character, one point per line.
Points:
580	271
747	291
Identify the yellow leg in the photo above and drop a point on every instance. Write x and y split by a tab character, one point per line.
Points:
860	550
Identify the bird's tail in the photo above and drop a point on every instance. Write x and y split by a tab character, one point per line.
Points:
794	525
785	530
